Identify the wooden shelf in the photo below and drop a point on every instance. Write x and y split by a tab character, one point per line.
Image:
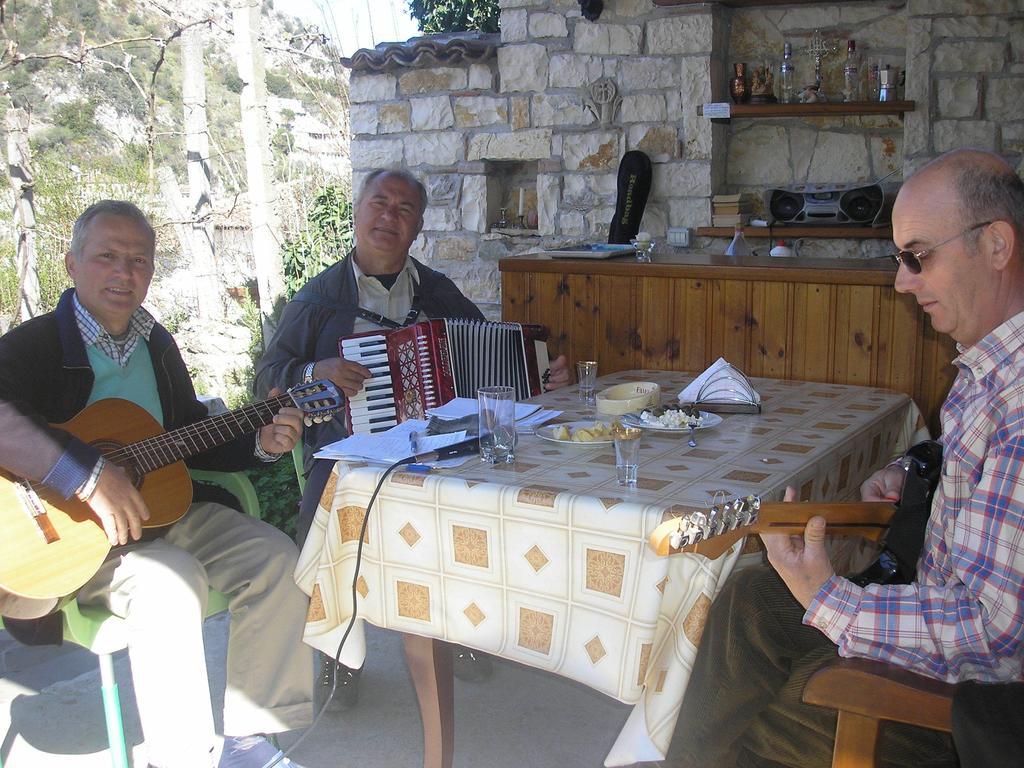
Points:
826	109
782	231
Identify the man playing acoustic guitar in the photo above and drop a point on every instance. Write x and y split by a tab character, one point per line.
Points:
99	343
959	222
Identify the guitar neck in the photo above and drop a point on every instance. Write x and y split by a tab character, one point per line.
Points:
867	519
168	447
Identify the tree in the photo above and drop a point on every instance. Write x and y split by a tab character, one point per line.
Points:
455	15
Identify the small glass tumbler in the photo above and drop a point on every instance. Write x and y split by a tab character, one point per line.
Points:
627	455
586	375
497	424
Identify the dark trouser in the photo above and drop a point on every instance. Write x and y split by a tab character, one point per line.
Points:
743	707
988	724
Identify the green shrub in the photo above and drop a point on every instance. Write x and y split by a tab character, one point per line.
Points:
278	491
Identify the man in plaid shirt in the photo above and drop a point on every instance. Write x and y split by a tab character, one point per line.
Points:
959	224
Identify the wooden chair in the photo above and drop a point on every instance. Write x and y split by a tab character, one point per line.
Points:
866	693
104	634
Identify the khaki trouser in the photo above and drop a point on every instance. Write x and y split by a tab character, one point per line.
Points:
160	588
742	705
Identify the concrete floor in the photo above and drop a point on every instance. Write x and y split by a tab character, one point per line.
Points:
51	714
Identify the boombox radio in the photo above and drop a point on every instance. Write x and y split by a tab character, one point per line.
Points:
831	204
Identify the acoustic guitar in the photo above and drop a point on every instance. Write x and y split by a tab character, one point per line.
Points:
51	546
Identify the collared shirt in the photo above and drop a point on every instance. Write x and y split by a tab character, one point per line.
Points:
394	303
963	618
140	325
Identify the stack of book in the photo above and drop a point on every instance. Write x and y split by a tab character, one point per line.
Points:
730	210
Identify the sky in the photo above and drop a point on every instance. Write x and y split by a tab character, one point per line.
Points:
355	24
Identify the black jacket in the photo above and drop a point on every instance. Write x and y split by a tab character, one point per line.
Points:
324	311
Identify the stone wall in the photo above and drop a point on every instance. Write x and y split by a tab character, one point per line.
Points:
477	132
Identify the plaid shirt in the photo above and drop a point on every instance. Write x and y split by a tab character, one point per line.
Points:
140	325
963	618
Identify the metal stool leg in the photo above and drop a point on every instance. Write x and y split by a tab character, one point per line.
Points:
112	712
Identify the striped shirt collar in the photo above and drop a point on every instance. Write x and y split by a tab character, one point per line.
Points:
994	349
140	325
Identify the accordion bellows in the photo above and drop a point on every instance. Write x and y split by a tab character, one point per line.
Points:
426	364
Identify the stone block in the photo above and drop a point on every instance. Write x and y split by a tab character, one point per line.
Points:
594	151
480	77
520	112
531	144
415	81
440	219
606	39
957	96
523	68
889	31
698	138
547	202
432	113
559	109
953	134
548	25
585	190
960	8
759	154
362	88
658	142
454	248
1003	98
886	155
395	118
839	157
643	108
376	153
968	26
572	223
689	211
442	189
628	9
503	4
475	111
362	118
434	149
969	56
640	73
695	82
679	34
513	26
681	179
597	221
654	220
571	70
1013	139
474	203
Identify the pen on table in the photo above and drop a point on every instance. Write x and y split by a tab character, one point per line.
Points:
414	446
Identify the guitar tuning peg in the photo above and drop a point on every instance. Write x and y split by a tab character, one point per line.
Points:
307	420
675	539
328	417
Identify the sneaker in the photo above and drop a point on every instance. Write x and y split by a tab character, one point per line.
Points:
346	694
252	752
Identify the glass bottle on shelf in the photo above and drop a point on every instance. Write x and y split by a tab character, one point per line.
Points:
851	73
787	75
873	82
739	245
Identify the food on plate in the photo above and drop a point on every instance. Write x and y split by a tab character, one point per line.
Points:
599	430
672	416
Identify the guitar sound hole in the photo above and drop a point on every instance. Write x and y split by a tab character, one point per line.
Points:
109	447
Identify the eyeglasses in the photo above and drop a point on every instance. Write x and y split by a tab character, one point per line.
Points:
912	259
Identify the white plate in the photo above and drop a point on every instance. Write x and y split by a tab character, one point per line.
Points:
547	433
633	420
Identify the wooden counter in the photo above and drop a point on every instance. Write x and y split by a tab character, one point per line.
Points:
833	320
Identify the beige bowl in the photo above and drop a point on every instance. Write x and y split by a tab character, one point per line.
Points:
628	398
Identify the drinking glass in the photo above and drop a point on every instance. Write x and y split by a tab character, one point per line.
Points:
627	455
586	375
497	424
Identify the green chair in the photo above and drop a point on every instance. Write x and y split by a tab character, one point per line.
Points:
104	634
299	473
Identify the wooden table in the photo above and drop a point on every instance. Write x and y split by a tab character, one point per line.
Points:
546	562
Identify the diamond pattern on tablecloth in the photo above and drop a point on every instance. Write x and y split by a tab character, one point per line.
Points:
536	558
693	624
474	614
316	611
595	649
350	519
645	659
362	587
410	534
470	545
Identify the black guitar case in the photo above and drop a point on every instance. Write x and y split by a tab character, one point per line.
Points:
897	563
634	187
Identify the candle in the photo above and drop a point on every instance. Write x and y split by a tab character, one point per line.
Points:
522	201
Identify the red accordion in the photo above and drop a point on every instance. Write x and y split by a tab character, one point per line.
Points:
426	364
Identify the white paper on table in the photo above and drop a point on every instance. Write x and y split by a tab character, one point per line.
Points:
393	445
534	420
720	382
460	407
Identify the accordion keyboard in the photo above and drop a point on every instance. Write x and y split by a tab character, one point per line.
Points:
372	409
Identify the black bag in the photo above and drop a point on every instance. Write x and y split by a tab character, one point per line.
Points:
634	186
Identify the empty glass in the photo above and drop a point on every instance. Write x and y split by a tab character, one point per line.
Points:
627	455
586	375
497	424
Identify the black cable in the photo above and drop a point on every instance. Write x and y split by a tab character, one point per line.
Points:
352	619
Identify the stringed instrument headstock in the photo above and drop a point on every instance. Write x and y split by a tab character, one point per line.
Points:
318	400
